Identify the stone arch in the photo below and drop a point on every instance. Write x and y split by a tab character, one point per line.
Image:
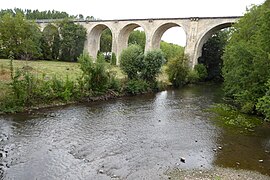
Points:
124	35
93	39
158	33
203	39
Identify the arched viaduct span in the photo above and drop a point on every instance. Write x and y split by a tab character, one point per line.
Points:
197	29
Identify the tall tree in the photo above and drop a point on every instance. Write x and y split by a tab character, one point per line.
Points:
212	51
247	59
20	36
50	42
72	42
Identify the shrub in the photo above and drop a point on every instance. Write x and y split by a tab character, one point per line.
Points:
177	70
137	86
152	63
95	77
202	71
113	59
263	104
131	61
193	77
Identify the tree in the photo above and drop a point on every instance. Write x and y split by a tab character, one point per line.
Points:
212	52
131	61
177	70
137	37
171	50
72	41
151	65
106	41
246	59
19	36
50	42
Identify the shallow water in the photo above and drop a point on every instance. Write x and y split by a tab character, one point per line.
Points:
128	138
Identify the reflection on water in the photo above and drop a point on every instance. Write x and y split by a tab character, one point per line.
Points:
128	138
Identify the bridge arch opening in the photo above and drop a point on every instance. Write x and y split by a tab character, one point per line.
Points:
169	37
106	44
94	40
125	33
210	49
138	37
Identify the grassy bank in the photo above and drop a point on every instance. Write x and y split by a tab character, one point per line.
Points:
44	83
33	84
42	68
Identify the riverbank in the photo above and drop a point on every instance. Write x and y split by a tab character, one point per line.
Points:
28	85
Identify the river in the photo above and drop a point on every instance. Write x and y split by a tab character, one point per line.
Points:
138	137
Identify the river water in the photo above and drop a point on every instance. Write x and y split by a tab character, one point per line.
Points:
128	138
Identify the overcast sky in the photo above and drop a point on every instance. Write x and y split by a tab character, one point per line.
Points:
125	9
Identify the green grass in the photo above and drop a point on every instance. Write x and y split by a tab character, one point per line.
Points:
230	116
40	68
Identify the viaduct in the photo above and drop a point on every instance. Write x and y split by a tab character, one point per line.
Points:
197	29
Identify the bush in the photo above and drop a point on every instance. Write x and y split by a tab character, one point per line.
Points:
113	59
131	61
193	77
263	106
95	78
152	63
137	86
177	70
202	71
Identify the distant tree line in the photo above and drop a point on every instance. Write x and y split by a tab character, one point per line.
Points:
36	14
63	40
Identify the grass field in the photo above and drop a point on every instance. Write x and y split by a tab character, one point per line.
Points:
44	68
49	69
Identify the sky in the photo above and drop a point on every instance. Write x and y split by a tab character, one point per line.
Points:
136	9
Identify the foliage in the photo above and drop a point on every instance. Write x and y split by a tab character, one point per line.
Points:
137	37
131	61
192	77
137	86
151	65
212	52
106	41
95	77
113	59
36	14
28	90
233	118
72	41
50	42
202	71
20	36
100	58
177	70
247	59
171	50
263	104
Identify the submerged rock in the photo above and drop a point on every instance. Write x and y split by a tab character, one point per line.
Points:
182	159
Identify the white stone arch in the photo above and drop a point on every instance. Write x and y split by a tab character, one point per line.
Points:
93	38
124	35
160	30
205	36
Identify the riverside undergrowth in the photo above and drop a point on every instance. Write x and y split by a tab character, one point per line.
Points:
229	116
28	90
